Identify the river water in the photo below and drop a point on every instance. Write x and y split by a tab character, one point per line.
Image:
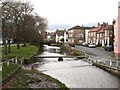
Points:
74	73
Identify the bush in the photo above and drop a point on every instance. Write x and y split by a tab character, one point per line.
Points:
71	51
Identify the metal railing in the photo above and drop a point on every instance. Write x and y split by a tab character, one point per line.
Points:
113	64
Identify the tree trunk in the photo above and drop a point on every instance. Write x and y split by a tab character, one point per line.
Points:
24	44
5	46
4	37
18	41
18	45
9	45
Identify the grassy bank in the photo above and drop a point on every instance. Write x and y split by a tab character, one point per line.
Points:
25	52
24	78
71	51
7	70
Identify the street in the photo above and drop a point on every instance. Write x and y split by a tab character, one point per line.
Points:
98	52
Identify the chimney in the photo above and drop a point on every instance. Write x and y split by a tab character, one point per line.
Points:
98	24
113	22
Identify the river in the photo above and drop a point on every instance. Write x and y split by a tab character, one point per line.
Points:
74	73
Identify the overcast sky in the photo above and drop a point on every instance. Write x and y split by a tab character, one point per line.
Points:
76	12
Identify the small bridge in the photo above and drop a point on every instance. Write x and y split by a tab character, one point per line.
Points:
80	57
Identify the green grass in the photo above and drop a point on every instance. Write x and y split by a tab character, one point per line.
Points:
7	70
25	52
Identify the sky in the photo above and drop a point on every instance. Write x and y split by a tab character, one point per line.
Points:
67	13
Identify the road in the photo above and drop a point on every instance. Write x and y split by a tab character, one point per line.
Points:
97	52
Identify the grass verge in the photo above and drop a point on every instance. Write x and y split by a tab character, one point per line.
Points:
25	52
7	70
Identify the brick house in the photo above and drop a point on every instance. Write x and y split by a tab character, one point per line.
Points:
102	34
93	36
109	34
78	34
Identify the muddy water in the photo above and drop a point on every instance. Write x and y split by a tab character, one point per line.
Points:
75	73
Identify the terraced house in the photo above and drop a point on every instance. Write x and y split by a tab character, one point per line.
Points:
102	35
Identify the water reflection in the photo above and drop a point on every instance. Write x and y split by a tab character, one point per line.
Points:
75	74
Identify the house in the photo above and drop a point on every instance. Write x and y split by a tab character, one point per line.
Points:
76	35
117	35
109	34
48	36
102	35
87	29
51	37
93	36
61	34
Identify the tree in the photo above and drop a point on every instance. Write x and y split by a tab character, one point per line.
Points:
62	40
20	23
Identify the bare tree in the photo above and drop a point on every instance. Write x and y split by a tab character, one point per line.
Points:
19	22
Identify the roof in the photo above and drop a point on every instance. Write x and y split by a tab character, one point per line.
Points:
60	32
108	27
95	29
101	31
79	27
75	27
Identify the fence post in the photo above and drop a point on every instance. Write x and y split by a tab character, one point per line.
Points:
13	60
104	62
117	64
21	61
110	63
8	63
16	60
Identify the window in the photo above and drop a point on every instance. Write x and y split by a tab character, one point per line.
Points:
94	33
100	35
105	32
97	35
80	35
70	35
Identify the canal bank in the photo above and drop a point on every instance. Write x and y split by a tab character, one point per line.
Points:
26	77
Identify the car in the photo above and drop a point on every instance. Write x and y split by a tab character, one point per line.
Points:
92	45
85	44
108	48
72	45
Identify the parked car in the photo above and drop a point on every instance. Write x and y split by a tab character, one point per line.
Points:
72	45
108	48
92	45
85	44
